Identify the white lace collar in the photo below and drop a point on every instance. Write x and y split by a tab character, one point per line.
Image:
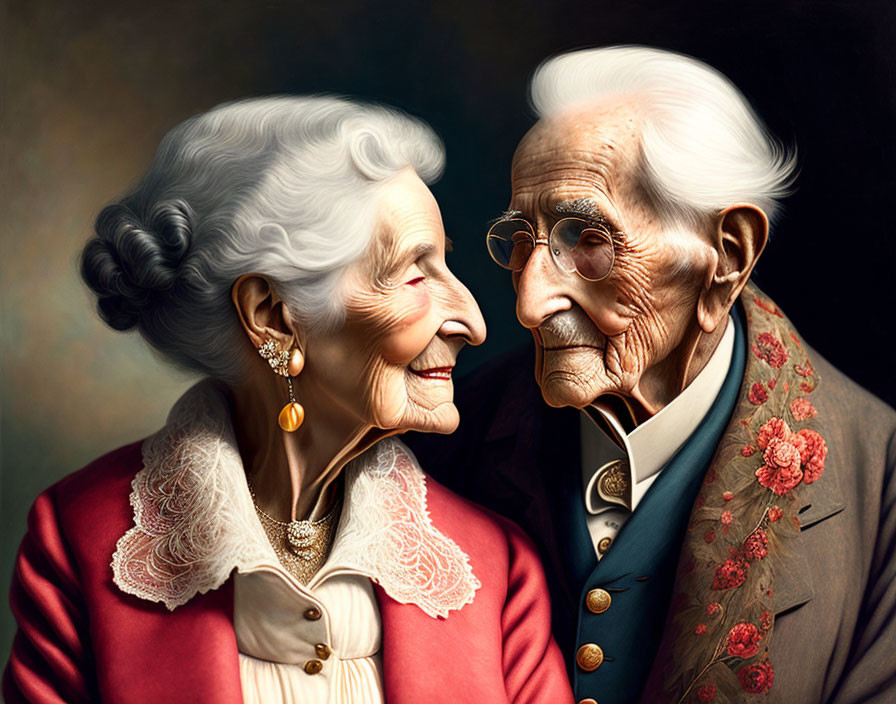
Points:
194	521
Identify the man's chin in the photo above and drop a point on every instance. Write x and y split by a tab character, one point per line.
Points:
570	377
564	389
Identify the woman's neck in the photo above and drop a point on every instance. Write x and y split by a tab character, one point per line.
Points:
289	472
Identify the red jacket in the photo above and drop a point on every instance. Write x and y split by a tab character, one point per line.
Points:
82	639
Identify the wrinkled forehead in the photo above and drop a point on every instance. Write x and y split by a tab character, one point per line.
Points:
588	153
408	222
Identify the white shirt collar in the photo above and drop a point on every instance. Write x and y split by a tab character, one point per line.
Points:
653	443
194	521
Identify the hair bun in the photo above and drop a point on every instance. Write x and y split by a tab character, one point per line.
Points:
129	262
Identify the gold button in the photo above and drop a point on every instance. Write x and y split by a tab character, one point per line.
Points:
323	652
312	667
589	657
587	701
312	614
604	545
597	601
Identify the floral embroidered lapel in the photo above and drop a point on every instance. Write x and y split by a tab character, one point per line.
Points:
740	562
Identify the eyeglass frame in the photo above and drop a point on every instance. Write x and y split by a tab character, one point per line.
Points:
546	241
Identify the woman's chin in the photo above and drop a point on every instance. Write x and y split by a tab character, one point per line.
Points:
442	419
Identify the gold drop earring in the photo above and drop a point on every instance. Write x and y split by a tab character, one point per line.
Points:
293	415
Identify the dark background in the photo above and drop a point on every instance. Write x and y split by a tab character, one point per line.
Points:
91	87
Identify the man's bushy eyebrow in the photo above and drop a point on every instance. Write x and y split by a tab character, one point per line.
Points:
507	215
585	208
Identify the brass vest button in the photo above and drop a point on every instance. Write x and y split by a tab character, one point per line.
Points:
589	657
312	667
312	614
323	652
604	545
587	701
598	601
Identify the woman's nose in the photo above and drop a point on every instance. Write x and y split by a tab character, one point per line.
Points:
463	317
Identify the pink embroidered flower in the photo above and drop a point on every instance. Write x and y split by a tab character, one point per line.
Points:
700	629
773	428
709	535
728	495
774	514
769	350
781	471
812	454
765	621
743	640
806	387
802	409
730	574
727	518
706	693
713	608
748	450
768	306
756	545
806	370
757	678
758	395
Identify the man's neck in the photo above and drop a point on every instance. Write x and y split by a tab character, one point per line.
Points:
667	379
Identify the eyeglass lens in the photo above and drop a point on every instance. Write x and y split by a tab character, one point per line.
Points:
576	245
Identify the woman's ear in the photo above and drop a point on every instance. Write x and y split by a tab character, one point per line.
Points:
262	313
740	235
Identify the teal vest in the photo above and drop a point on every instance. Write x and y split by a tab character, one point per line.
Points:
638	571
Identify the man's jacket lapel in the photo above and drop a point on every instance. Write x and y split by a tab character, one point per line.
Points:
741	564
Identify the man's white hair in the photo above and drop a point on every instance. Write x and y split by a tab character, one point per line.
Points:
286	187
702	147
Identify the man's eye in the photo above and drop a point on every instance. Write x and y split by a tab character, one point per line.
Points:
593	241
415	281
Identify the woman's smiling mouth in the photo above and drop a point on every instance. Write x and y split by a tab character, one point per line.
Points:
441	373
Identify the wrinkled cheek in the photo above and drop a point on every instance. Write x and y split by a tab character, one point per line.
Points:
611	323
412	330
634	348
610	309
386	397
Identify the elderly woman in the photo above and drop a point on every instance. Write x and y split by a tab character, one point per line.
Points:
269	543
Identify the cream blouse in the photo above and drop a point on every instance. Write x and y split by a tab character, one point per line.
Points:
308	645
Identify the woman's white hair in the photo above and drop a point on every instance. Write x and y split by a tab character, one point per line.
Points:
284	187
703	148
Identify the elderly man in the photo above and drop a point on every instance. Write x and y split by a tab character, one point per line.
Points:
714	502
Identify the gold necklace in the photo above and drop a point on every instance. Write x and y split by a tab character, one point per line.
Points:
301	546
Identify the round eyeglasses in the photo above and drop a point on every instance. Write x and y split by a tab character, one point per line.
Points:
576	245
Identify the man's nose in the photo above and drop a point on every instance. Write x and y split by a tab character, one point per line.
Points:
463	319
538	294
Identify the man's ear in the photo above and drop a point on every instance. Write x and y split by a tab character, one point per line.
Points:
739	235
262	313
